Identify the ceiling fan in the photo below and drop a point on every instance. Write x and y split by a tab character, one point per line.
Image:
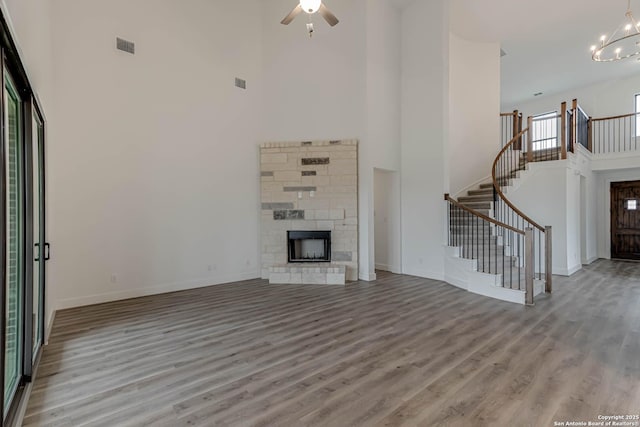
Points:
311	7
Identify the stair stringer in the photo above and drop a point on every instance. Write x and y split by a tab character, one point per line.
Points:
462	273
531	169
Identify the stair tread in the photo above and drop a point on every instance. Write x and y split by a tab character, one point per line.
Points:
474	198
488	190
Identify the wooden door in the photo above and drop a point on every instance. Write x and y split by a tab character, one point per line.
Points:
625	220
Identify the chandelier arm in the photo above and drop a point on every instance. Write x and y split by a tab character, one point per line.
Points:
612	48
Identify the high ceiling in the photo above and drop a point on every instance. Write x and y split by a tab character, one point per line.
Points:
547	41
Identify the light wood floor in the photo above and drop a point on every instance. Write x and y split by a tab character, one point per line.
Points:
398	351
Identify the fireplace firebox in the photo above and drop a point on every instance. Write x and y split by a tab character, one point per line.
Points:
309	246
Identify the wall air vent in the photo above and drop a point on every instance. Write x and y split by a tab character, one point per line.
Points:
125	45
242	84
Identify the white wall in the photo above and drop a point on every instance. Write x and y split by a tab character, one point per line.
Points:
605	99
573	219
31	24
551	193
425	114
153	170
383	116
387	221
588	203
474	108
342	83
544	193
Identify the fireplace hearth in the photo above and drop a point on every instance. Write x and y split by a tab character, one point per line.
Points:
309	246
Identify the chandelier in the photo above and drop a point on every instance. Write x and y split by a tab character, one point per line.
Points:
623	43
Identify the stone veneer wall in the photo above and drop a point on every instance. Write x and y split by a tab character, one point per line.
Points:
310	186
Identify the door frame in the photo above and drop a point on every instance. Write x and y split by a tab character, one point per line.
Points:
612	219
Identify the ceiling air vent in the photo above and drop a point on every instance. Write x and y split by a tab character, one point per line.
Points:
125	45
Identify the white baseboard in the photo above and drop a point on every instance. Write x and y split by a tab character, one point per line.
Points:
590	260
567	271
368	277
152	290
427	274
390	268
49	327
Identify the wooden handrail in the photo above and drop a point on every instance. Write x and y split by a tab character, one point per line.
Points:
508	114
616	117
454	202
497	187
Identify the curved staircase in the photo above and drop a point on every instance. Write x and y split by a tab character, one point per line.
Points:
494	249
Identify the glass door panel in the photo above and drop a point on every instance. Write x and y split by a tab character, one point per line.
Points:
38	232
14	242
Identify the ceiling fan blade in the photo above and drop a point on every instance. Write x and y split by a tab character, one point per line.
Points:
328	16
295	12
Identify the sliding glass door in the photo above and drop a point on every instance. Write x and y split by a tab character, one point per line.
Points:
23	246
22	233
14	249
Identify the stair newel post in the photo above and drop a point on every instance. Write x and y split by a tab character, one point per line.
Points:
548	259
563	131
530	139
529	264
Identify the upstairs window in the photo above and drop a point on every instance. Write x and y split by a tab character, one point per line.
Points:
544	132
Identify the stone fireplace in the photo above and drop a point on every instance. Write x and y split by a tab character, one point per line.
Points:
309	221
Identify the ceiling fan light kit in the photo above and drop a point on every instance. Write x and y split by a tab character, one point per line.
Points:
623	43
311	7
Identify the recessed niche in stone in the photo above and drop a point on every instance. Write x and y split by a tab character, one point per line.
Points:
266	173
315	161
282	215
309	173
276	206
335	142
307	143
296	189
